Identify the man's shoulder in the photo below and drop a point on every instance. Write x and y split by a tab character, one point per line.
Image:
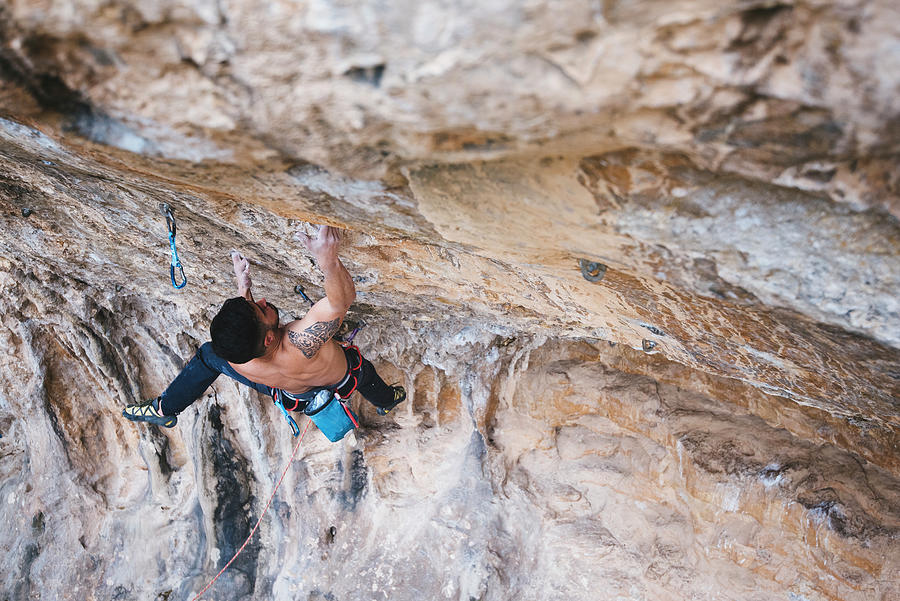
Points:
309	341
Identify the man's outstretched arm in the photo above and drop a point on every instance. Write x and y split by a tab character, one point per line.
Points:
324	318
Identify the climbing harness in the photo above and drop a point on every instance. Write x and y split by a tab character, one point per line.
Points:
176	262
262	515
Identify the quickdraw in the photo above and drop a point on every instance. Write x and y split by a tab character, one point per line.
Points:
176	262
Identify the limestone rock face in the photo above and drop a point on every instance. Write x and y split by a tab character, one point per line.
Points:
637	264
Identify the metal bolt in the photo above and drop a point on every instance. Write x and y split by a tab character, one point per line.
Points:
591	270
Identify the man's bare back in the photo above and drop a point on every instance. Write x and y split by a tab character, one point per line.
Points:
289	370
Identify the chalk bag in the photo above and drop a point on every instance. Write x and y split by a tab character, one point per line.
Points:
332	415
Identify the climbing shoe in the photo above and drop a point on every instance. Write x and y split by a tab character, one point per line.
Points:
399	397
148	412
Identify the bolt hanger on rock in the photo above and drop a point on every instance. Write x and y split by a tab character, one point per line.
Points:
592	270
176	262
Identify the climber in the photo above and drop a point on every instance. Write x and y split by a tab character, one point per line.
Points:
294	361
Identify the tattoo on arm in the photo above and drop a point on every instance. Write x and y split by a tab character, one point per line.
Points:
310	340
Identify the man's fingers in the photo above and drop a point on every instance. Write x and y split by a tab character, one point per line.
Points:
329	233
325	234
241	265
237	257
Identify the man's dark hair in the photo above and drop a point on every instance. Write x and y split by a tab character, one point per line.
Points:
237	332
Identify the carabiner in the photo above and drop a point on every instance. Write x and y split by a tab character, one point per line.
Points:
172	274
352	335
276	396
347	339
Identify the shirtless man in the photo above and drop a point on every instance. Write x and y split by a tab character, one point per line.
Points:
292	361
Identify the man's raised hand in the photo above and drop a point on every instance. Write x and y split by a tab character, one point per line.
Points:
325	245
242	273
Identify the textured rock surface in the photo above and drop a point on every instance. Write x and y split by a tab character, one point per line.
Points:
717	418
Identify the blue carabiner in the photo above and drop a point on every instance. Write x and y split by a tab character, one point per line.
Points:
172	274
294	427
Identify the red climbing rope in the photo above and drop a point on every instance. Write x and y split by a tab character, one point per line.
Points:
266	508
